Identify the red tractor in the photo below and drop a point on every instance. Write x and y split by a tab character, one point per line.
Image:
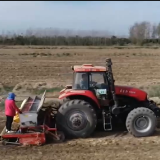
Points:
93	97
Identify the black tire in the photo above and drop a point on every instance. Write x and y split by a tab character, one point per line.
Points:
148	117
87	119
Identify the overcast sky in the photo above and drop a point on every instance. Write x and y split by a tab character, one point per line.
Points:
115	17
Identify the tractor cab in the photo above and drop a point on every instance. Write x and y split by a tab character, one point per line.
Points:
99	80
94	79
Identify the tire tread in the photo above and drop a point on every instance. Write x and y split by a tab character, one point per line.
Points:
131	115
84	103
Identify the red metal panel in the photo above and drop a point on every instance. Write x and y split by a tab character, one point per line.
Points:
89	68
131	92
21	135
86	93
28	138
28	105
37	139
41	127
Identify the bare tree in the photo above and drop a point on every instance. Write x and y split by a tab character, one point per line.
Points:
140	31
158	30
154	32
29	33
147	29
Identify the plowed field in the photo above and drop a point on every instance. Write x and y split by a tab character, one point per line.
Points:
131	66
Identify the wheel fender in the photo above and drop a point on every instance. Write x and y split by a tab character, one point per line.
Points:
88	94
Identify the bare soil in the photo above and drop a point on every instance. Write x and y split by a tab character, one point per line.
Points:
134	66
102	145
131	66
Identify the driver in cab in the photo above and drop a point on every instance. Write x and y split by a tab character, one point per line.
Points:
84	81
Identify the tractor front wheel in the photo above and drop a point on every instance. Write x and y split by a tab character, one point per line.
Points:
76	118
141	122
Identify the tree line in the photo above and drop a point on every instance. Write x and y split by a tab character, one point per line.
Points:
142	33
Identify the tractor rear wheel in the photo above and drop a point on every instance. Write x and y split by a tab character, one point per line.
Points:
76	118
141	122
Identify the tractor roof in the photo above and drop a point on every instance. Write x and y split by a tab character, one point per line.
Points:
88	68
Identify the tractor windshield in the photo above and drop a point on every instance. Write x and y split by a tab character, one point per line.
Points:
88	80
96	79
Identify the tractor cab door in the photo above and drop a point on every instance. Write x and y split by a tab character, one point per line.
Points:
99	86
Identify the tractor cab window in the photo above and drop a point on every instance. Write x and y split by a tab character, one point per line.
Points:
97	80
89	80
80	81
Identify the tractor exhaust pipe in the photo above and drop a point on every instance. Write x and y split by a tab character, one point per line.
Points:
115	109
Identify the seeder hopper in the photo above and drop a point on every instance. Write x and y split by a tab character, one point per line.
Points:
36	125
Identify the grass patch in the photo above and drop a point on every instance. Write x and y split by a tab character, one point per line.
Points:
34	54
48	90
8	88
141	87
154	91
2	106
119	47
134	54
18	104
64	54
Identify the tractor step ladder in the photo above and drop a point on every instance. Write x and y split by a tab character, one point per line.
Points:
107	121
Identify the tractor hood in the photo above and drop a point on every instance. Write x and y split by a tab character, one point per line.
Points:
119	90
131	92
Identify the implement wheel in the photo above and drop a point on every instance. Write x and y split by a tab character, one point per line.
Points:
61	137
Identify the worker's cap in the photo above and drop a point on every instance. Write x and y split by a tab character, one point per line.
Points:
11	95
